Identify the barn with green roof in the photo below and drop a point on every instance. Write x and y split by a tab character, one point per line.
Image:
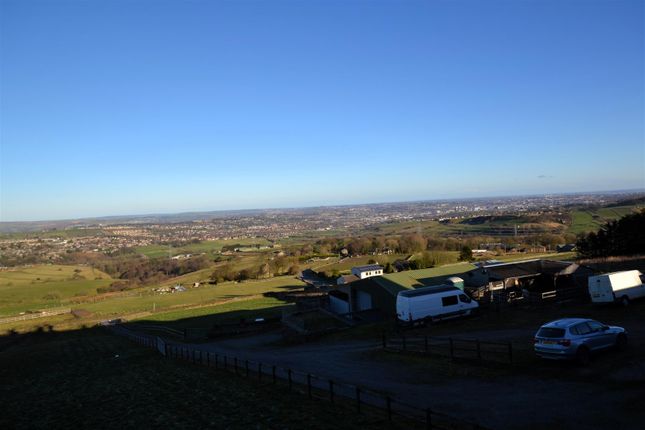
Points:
379	293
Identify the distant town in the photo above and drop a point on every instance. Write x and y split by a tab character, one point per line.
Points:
48	241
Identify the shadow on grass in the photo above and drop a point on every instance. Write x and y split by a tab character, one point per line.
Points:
91	378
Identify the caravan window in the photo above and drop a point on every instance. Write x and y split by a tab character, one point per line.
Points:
449	300
464	298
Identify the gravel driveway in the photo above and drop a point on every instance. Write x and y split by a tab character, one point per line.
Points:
498	401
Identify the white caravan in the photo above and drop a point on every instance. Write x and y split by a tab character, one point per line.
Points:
433	303
616	287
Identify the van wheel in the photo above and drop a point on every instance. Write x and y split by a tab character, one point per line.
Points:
624	301
621	342
582	356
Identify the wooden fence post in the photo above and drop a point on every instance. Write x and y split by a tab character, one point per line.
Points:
358	400
289	376
388	403
309	385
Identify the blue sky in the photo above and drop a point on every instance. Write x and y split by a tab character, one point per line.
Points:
126	107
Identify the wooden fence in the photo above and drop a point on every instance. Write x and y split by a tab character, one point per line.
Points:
455	348
41	314
362	399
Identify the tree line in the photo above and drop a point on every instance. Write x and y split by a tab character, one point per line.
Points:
625	236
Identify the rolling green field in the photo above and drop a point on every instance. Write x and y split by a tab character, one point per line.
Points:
22	289
206	246
47	286
584	221
146	301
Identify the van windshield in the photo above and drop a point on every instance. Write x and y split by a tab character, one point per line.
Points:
551	332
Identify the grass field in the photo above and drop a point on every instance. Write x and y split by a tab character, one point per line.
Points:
47	286
232	311
584	221
207	246
145	300
92	379
216	299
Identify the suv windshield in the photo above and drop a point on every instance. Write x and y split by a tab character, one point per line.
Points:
551	332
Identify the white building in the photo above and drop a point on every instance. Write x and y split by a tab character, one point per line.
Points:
363	272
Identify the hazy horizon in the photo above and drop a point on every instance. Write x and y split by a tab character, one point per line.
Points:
122	108
348	204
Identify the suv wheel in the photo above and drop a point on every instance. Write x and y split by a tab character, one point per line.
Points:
582	356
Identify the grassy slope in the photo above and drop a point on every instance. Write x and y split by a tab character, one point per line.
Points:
144	301
92	379
46	286
230	311
208	294
583	221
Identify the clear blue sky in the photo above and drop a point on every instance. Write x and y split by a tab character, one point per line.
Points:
125	107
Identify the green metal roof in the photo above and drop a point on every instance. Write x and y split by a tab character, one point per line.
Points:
395	282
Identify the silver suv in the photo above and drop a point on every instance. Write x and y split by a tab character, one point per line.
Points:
577	338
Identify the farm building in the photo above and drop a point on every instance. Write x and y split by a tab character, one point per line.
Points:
535	279
339	301
378	293
363	272
346	279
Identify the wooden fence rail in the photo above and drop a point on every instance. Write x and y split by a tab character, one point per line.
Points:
455	348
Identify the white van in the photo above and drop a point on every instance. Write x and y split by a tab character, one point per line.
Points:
616	287
433	303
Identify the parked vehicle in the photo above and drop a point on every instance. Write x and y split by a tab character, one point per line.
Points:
433	303
619	287
577	338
